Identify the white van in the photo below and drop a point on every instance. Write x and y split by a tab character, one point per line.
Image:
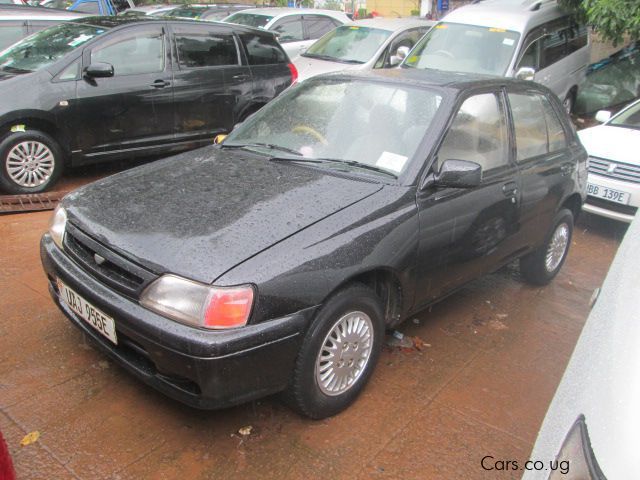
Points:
531	39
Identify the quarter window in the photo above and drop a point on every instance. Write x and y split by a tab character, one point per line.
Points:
478	134
142	52
206	50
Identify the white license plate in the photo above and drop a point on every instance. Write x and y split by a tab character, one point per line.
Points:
90	314
607	193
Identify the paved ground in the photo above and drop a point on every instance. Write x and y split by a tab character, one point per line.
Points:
495	353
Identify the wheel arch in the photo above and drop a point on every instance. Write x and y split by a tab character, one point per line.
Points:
574	203
36	121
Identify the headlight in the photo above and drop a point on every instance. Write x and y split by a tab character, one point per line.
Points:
198	304
58	225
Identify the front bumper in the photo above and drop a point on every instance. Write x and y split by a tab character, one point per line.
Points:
204	369
608	209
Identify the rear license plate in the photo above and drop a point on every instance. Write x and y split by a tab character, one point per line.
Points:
607	194
90	314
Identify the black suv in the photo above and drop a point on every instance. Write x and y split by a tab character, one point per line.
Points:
98	89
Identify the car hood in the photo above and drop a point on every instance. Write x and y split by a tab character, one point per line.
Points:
201	213
310	67
612	143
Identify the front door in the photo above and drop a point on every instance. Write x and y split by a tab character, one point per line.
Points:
133	109
210	81
467	232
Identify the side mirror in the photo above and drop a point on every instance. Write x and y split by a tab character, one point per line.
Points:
400	55
525	73
603	116
456	174
99	70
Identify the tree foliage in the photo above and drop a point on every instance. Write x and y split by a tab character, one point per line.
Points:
613	19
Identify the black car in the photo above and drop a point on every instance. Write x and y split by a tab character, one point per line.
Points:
276	260
102	88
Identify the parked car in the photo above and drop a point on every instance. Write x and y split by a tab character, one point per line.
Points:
13	2
614	164
531	39
58	4
590	426
297	28
19	22
157	9
101	7
112	88
363	45
276	260
207	12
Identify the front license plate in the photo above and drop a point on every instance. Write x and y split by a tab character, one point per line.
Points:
607	193
90	314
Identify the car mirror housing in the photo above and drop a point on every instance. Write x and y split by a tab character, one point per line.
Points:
603	116
456	174
99	70
402	52
525	73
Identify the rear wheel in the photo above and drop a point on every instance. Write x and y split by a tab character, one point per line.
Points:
32	162
338	354
540	266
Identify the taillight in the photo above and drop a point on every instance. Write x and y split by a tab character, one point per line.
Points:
294	73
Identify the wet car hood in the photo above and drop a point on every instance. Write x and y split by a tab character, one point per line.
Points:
310	67
612	143
201	213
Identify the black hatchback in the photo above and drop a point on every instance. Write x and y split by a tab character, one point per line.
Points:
99	89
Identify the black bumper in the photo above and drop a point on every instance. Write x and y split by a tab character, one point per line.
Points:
204	369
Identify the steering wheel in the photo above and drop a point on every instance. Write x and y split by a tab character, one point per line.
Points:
444	53
310	131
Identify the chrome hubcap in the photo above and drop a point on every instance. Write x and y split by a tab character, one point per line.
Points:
345	353
557	247
30	164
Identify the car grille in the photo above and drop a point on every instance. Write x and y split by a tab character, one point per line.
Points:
617	170
105	265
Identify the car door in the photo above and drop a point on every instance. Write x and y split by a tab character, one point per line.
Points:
544	158
315	26
132	109
290	34
211	84
467	232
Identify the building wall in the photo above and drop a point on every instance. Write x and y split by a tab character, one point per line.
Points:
403	8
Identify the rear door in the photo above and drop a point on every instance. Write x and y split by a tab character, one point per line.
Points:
210	81
467	232
544	158
133	109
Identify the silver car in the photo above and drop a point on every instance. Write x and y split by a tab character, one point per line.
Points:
362	45
296	28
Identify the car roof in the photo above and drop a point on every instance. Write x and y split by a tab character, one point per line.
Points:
393	24
431	78
516	15
279	11
17	12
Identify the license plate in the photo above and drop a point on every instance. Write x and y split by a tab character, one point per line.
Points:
607	193
90	314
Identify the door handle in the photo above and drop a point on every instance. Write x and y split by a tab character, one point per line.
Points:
241	76
510	189
160	84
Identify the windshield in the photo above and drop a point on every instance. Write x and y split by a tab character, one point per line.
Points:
630	118
248	19
465	48
46	47
349	44
359	122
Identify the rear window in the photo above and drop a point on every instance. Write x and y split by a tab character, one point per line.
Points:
206	50
249	19
263	50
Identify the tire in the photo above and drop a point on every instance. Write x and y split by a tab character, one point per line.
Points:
568	102
312	391
30	162
540	266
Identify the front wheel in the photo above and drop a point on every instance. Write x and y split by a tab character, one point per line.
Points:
540	266
32	162
338	354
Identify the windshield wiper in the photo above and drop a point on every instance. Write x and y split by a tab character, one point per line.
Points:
330	58
270	146
351	163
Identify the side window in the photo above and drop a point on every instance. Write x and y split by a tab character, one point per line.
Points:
89	7
557	136
577	37
206	50
407	39
262	50
530	56
11	32
554	43
289	29
134	54
478	134
317	25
